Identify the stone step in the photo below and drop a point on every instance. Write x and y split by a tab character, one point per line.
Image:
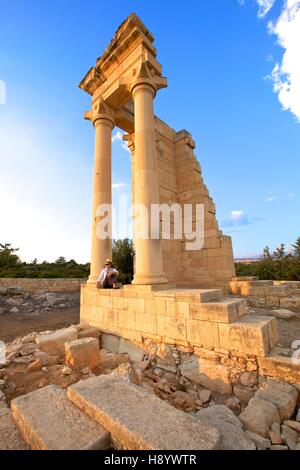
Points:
223	311
137	419
47	420
10	438
252	334
191	295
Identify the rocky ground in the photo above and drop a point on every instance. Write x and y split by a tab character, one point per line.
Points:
271	419
22	313
268	419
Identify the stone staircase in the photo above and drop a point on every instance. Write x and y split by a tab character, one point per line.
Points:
106	412
238	329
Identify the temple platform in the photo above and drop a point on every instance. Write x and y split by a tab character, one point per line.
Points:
187	318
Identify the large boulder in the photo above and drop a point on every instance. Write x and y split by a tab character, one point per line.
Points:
259	416
229	426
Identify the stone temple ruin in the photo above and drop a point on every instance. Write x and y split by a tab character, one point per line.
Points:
182	365
163	304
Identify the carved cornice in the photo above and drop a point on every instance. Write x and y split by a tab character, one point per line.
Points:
92	81
121	63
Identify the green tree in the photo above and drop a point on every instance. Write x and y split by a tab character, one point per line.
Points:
61	260
296	248
266	253
8	257
122	259
280	253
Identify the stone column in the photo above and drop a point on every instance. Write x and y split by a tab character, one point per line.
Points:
102	189
148	252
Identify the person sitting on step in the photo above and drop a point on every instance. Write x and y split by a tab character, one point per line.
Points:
108	277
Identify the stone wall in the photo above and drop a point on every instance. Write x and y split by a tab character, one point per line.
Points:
48	285
280	294
187	318
180	181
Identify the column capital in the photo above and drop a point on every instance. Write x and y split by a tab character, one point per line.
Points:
101	112
129	138
146	77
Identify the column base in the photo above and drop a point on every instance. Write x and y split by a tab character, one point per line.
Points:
92	280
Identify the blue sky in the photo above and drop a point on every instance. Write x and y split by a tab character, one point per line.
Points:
234	83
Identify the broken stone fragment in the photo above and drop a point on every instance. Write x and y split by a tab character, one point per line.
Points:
14	310
259	416
204	396
261	442
293	425
289	436
229	426
275	437
34	366
83	353
54	342
282	395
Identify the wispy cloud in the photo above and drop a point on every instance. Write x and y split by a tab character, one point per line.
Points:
271	199
285	75
119	185
237	218
264	6
118	138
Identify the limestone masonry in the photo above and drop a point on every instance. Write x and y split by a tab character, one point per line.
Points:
177	296
123	85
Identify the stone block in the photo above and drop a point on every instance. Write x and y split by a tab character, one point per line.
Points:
83	353
135	353
229	426
49	421
279	367
272	301
253	334
171	328
89	333
281	394
110	342
204	333
138	420
126	319
225	311
283	314
259	416
55	342
146	322
292	303
215	377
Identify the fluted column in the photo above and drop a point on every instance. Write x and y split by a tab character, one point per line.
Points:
101	248
148	252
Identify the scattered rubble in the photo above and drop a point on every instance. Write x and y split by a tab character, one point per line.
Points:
254	413
14	300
